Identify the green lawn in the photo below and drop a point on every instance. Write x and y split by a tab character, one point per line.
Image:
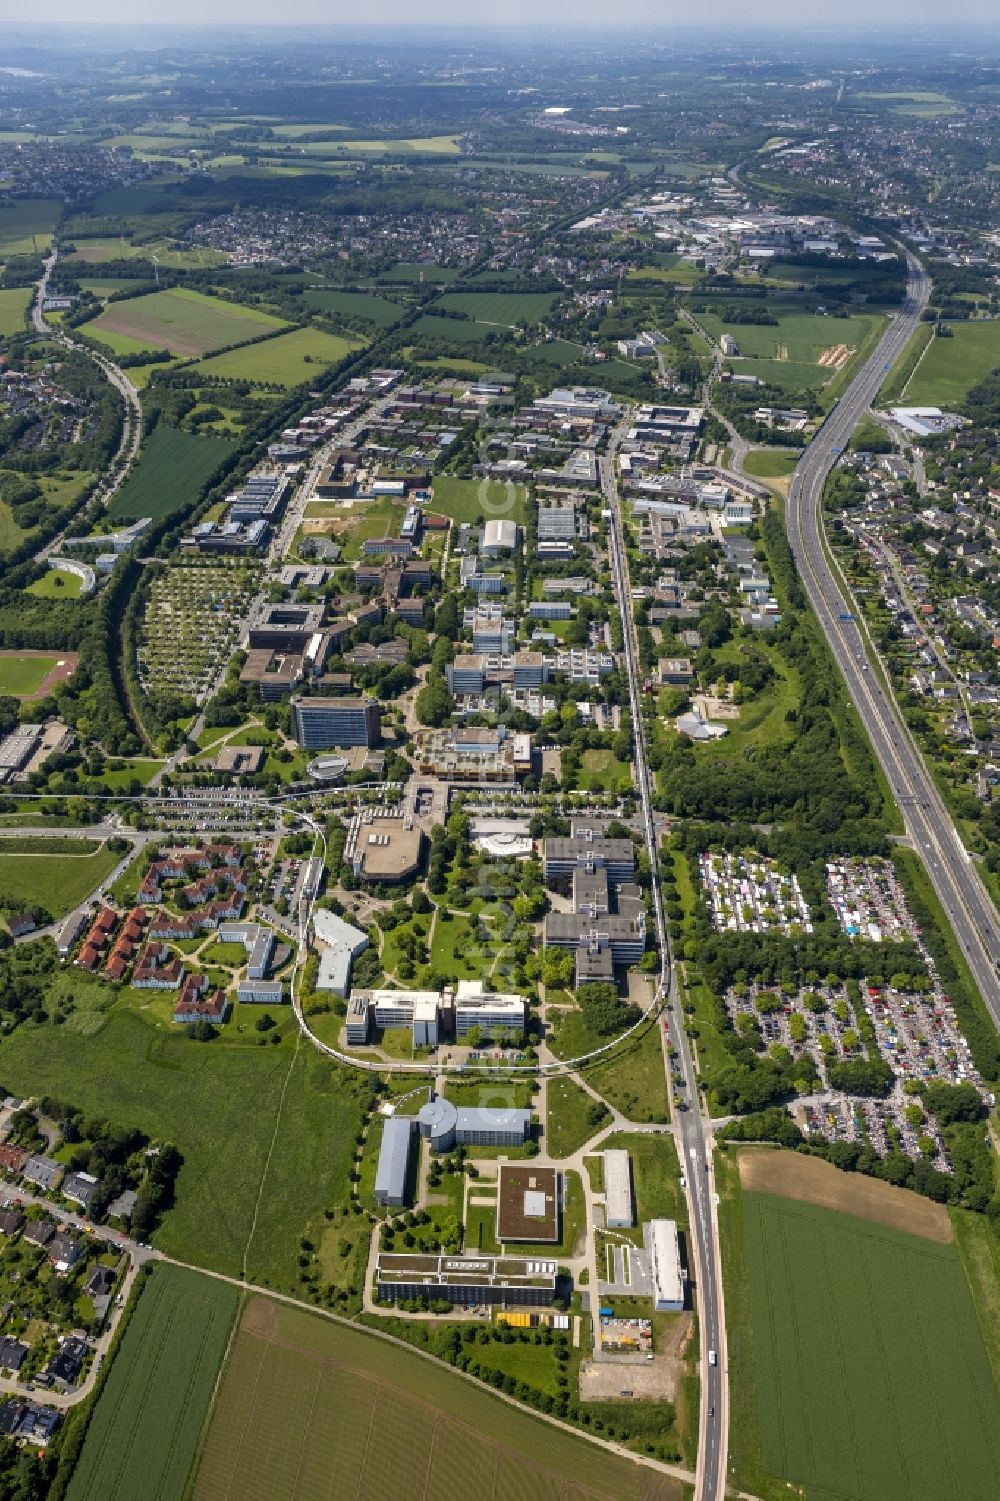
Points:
178	319
55	882
152	1076
633	1080
952	366
288	360
573	1117
859	1336
766	463
172	471
478	500
601	771
14	304
58	583
23	675
149	1415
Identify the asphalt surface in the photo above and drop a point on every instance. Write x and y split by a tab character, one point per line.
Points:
929	825
693	1135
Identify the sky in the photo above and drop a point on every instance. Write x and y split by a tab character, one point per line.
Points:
906	14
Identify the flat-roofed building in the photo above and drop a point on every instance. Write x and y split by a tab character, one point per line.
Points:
668	1275
444	1125
384	849
505	1281
588	851
394	1161
319	723
528	1203
590	892
618	1212
344	943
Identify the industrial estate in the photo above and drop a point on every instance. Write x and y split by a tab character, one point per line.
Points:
499	768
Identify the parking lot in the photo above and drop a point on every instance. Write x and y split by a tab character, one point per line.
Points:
747	893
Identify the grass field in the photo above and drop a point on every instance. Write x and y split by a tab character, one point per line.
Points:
951	367
633	1080
476	500
28	222
601	771
862	1335
185	322
791	376
21	676
503	308
766	463
98	252
144	1431
798	337
453	330
58	583
13	306
572	1118
169	1087
55	882
377	310
173	466
312	1409
288	360
656	1176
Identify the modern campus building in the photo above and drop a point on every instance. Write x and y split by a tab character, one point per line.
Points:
588	851
434	1015
343	943
394	1161
444	1125
319	723
618	1213
528	1203
668	1275
506	1281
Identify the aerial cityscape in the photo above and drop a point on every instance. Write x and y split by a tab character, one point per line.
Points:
499	761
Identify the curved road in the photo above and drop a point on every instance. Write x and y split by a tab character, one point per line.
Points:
928	823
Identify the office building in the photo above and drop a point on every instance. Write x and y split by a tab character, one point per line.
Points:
319	723
444	1125
504	1281
394	1161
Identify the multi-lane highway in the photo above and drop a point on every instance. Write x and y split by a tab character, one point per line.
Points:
952	871
692	1133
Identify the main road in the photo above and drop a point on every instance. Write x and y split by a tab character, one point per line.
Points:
931	829
692	1134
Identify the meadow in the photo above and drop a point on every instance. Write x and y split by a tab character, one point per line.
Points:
27	223
766	463
377	310
504	308
797	337
99	251
14	303
571	1117
862	1335
144	1432
56	882
303	1399
178	319
172	469
288	360
633	1079
152	1076
952	366
476	501
601	771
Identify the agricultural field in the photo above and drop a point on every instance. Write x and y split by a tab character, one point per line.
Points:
476	500
99	251
952	366
192	624
377	310
14	305
856	1334
57	883
149	1414
798	338
27	224
185	322
172	469
288	360
303	1399
505	309
454	330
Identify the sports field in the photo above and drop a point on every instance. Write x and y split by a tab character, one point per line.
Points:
377	310
478	501
951	367
172	468
313	1409
14	304
27	223
504	308
56	882
23	673
289	360
872	1378
185	322
144	1432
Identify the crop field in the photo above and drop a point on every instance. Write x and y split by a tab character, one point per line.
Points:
192	623
377	310
813	1181
309	1408
14	303
504	308
56	882
288	360
454	330
173	466
862	1335
951	367
475	500
149	1415
185	322
28	222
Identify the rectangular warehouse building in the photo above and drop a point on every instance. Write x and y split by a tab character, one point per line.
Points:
618	1190
668	1275
509	1281
394	1161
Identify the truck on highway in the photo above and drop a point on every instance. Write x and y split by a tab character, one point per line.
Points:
713	1359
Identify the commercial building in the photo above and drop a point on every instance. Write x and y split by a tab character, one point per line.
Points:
668	1275
528	1203
394	1161
618	1211
465	1281
320	723
288	628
